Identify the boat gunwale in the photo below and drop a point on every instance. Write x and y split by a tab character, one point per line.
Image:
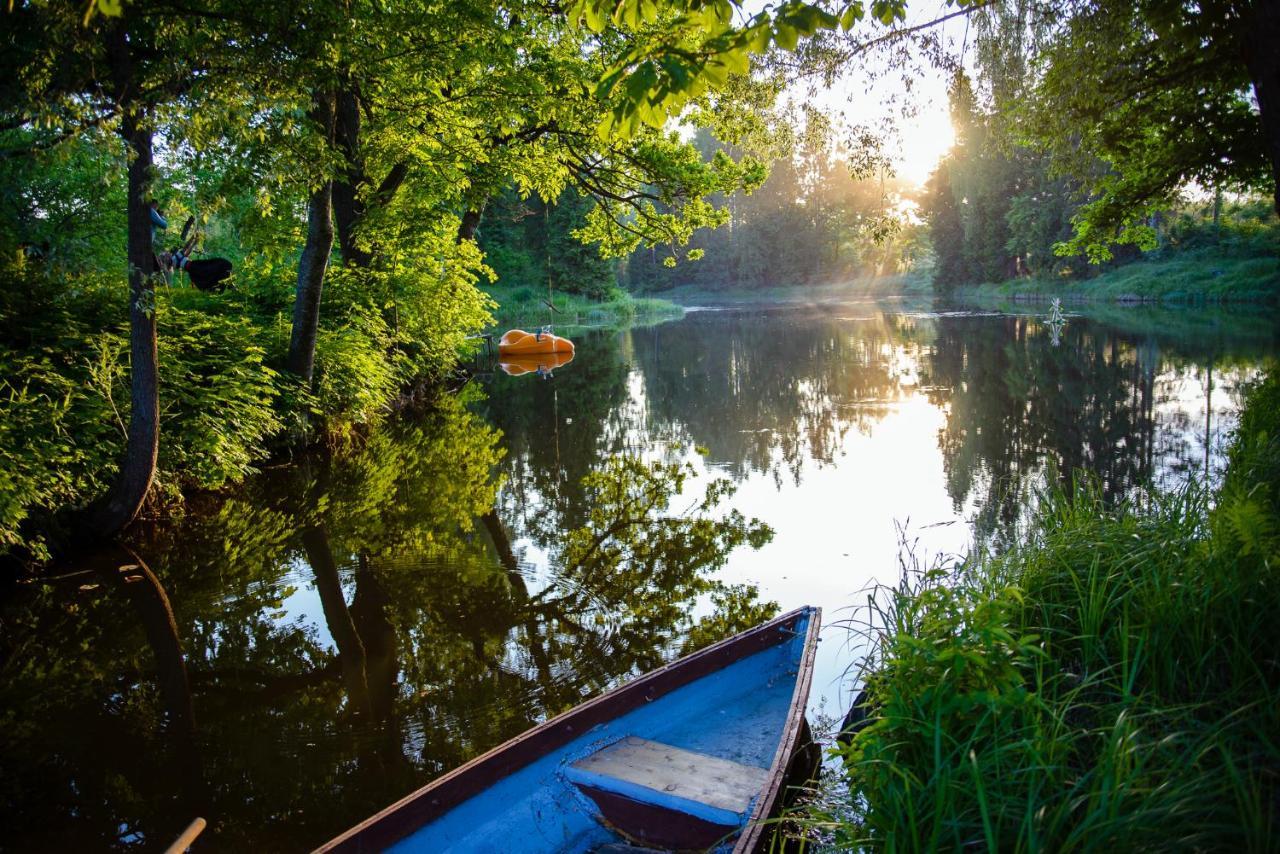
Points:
418	808
795	730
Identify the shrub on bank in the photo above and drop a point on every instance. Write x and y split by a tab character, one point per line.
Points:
225	400
527	307
1110	682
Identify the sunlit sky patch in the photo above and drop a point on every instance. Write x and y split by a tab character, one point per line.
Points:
926	135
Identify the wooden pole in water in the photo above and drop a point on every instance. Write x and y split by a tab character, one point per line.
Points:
183	842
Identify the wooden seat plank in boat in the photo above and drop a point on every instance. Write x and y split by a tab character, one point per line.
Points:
657	794
711	788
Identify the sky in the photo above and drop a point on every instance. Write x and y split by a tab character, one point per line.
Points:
924	137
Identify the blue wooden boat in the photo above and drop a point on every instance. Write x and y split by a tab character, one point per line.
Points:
694	756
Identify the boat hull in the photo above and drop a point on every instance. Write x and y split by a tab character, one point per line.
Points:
517	342
739	701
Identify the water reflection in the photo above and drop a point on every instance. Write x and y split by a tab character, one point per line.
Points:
294	656
846	425
777	394
1022	408
335	635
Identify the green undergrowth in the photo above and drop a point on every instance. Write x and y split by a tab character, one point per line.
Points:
1110	683
226	402
1205	274
528	306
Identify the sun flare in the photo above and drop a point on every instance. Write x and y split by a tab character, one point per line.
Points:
925	140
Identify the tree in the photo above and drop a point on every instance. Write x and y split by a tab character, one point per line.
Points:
532	243
1158	93
109	72
67	72
994	210
436	109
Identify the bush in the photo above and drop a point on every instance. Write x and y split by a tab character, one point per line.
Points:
1110	682
224	398
61	429
354	378
218	398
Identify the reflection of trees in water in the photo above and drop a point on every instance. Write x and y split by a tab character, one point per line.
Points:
1019	407
423	645
72	651
776	392
770	393
554	433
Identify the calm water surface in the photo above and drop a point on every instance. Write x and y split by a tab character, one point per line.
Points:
299	654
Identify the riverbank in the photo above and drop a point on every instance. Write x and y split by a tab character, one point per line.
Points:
1195	276
529	307
1110	678
227	404
1217	326
914	284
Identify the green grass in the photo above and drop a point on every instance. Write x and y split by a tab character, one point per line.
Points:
1228	328
1112	683
528	306
1207	274
906	284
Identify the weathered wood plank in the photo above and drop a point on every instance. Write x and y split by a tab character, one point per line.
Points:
672	774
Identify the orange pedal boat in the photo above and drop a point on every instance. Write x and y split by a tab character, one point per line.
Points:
517	342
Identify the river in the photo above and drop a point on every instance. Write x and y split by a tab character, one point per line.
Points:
298	653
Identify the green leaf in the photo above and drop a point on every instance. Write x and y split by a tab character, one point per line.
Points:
853	13
786	35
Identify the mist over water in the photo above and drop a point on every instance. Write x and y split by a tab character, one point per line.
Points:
335	633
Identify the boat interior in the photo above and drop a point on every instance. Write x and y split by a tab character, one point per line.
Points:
680	773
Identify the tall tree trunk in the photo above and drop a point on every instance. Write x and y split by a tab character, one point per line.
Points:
354	192
348	204
314	262
1262	58
122	503
311	269
470	223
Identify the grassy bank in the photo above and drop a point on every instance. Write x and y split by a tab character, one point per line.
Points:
528	306
1112	682
1207	274
905	284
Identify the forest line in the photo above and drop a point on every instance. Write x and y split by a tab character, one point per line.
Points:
368	171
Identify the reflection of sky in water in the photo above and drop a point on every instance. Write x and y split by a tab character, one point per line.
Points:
868	472
843	429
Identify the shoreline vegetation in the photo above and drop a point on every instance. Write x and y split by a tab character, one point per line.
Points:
1207	275
517	305
1109	680
231	410
1241	266
905	285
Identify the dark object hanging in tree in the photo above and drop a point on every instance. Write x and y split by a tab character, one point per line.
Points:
209	274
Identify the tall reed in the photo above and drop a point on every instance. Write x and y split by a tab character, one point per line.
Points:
1112	682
